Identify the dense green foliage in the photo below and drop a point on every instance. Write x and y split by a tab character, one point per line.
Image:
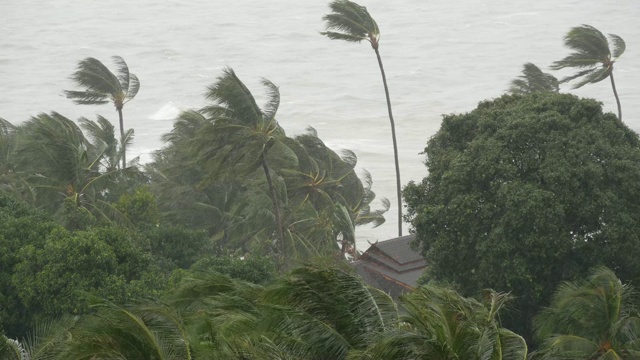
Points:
110	230
205	253
525	192
320	312
230	169
596	318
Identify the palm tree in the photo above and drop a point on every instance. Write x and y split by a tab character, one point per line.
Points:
439	324
325	189
102	135
7	152
241	136
100	86
592	319
592	53
149	330
533	80
44	342
60	165
353	23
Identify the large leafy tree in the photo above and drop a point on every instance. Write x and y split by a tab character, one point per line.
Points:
525	192
99	86
593	55
352	22
596	318
533	80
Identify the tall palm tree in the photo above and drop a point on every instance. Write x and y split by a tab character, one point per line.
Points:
241	136
533	80
594	319
101	86
353	23
591	52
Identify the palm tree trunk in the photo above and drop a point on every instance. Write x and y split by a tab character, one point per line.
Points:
122	144
395	143
615	93
276	205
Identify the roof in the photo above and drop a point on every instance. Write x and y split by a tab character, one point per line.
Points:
391	265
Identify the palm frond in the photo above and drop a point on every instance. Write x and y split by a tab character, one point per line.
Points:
273	102
97	80
351	22
534	80
11	349
619	45
123	71
235	98
134	87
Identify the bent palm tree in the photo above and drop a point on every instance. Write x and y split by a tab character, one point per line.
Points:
352	22
533	80
101	86
241	135
591	319
593	54
440	324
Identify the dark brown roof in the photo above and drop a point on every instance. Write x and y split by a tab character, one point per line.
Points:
391	265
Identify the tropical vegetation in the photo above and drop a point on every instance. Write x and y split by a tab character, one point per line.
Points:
99	86
593	55
235	241
352	22
525	192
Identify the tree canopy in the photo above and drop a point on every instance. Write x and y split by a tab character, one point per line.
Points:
525	192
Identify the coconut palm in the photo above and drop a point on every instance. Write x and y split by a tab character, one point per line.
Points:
594	319
591	53
61	165
325	188
101	134
7	152
101	86
533	80
439	324
242	137
148	330
352	22
44	342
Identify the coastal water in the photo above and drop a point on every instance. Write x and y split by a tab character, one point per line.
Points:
440	57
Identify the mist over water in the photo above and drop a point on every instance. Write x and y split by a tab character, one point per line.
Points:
440	56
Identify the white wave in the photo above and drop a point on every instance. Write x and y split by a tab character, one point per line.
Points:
168	112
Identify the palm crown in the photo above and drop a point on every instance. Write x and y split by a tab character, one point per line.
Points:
352	22
101	86
533	80
592	54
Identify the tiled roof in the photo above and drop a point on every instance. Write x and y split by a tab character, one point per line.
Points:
399	249
391	265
